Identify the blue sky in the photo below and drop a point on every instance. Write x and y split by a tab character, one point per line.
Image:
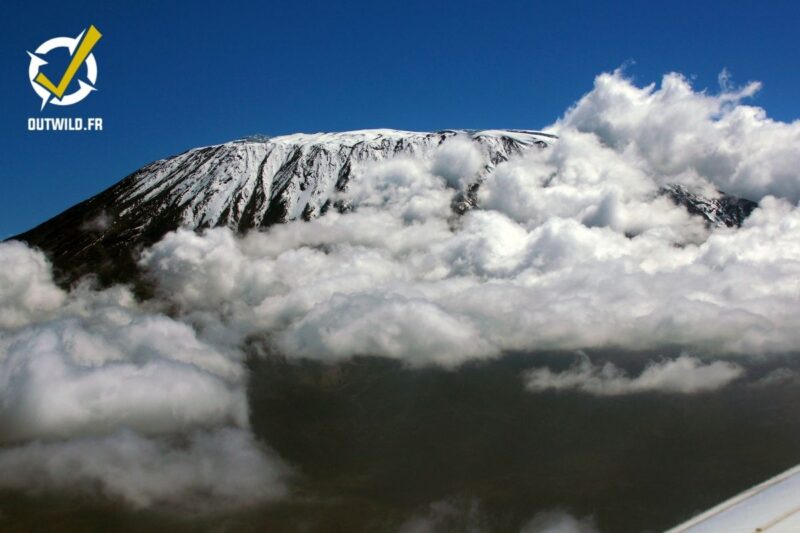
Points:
172	77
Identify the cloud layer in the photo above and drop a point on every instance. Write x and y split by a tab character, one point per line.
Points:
571	247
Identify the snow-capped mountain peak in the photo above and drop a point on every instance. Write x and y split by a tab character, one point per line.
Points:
257	182
252	183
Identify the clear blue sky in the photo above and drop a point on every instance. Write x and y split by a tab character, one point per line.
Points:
174	77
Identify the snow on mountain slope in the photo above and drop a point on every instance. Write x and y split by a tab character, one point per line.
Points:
726	210
254	183
244	184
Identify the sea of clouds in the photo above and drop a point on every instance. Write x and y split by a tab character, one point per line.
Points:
571	248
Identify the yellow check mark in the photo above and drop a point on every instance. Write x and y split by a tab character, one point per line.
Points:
84	49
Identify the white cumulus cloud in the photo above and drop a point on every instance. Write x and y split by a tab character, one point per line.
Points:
97	392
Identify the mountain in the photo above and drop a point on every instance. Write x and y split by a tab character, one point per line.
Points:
726	210
257	182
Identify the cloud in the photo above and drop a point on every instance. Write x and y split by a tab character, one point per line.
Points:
86	376
778	377
99	391
459	162
412	330
99	223
559	522
684	375
465	514
452	514
582	179
404	186
204	471
26	285
685	136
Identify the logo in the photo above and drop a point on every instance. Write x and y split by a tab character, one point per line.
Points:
80	51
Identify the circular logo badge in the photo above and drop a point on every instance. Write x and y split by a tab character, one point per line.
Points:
80	53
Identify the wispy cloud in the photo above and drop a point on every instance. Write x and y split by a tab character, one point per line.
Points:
684	375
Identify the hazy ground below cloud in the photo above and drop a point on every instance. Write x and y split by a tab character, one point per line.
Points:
378	447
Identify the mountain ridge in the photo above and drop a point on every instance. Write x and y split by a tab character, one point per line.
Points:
255	183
